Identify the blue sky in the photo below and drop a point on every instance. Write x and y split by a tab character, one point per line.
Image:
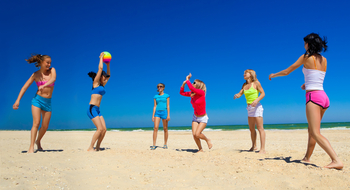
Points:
162	41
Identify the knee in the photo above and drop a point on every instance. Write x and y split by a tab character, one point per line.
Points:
36	124
165	129
197	135
155	128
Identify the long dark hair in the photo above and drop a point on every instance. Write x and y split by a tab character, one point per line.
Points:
316	44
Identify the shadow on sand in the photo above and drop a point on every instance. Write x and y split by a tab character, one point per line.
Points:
60	150
187	150
287	160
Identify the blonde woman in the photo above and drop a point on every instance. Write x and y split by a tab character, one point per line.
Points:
45	79
161	110
200	117
251	89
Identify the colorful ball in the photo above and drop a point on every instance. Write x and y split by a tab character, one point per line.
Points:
107	57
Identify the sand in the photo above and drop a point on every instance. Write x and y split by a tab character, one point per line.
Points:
128	163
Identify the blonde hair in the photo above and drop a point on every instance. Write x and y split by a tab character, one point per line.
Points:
201	85
252	73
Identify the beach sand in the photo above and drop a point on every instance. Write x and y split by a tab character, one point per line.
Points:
128	163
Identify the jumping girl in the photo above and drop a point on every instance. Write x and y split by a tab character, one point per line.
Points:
161	110
251	89
100	80
45	79
317	102
200	118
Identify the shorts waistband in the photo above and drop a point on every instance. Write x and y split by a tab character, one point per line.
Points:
42	98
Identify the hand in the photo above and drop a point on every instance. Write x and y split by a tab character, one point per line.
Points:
153	118
235	96
41	87
188	76
101	55
271	76
168	118
15	105
254	103
303	87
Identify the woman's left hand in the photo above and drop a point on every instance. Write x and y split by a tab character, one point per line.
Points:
271	76
41	87
168	118
188	76
254	103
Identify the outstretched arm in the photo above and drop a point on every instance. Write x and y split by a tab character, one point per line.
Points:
239	94
182	90
290	69
23	90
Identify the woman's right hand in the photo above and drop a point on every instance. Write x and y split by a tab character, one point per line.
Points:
188	77
16	105
101	55
235	96
153	118
303	87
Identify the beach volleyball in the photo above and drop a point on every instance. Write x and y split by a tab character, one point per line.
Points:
107	57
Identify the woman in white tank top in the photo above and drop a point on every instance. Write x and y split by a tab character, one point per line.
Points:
317	102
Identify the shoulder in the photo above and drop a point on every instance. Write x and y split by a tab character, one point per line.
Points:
166	95
156	96
257	83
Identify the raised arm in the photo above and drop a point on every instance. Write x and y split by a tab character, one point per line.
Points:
290	69
23	90
52	79
108	71
182	90
99	72
261	96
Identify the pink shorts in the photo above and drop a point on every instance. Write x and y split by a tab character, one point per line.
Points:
318	97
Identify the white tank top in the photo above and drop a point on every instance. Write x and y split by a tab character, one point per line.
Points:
314	78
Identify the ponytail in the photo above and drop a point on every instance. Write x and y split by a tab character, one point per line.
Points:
37	59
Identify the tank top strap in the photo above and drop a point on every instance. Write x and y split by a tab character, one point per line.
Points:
314	61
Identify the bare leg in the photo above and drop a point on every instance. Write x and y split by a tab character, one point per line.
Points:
97	122
314	120
200	135
44	126
166	134
251	123
196	139
155	130
260	127
103	133
36	123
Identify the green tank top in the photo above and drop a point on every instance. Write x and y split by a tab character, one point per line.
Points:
251	94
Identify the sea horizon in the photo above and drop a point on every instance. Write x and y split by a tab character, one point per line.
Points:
285	126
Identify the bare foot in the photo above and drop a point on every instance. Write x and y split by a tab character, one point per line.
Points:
201	150
306	160
91	150
252	149
39	145
262	152
210	145
31	150
335	165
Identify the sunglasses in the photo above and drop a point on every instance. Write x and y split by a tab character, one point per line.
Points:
194	82
160	86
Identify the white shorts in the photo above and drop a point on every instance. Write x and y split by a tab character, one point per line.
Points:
256	111
203	119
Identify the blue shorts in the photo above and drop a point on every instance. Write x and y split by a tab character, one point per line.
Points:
93	111
163	114
42	103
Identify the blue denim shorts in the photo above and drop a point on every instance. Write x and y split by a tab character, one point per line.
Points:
42	103
163	114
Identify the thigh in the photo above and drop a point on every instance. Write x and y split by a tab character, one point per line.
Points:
200	128
46	117
259	122
314	116
36	114
165	123
156	121
194	127
103	122
97	122
251	122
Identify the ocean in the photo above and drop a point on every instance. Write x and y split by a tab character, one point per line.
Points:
291	126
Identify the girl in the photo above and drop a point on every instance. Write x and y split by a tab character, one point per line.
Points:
251	89
45	79
161	110
99	81
317	102
200	118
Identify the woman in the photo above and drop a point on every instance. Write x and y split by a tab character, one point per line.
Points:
200	118
45	79
161	110
251	89
317	102
100	80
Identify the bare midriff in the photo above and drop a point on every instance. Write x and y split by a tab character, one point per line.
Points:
96	99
